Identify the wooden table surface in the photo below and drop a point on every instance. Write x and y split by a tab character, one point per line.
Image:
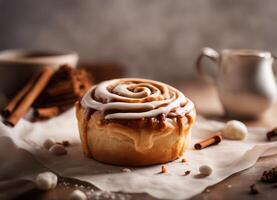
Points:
235	187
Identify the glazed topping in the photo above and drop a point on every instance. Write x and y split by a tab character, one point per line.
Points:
136	98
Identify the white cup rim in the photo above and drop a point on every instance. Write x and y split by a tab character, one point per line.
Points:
47	56
247	52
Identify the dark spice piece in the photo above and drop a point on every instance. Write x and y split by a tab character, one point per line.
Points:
253	189
272	135
163	169
270	176
187	172
64	143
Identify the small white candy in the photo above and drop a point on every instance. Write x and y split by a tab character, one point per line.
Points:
49	143
205	170
77	195
58	149
126	170
234	130
46	181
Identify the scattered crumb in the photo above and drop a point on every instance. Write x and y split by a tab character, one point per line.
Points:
207	190
229	186
270	176
58	149
65	143
187	172
163	169
126	170
48	143
183	160
272	135
254	189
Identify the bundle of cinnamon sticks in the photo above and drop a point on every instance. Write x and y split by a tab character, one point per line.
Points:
19	105
64	89
49	93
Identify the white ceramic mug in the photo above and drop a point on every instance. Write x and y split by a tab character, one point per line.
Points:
244	79
18	66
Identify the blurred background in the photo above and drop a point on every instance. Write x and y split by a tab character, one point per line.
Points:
157	39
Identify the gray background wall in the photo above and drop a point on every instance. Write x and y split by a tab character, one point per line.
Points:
155	38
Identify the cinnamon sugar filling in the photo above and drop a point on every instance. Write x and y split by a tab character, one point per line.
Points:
151	123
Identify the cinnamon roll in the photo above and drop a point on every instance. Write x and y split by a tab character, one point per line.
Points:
134	122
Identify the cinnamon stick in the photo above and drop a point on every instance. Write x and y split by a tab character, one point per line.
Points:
213	140
18	97
47	112
30	97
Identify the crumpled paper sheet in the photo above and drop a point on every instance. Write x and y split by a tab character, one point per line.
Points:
22	157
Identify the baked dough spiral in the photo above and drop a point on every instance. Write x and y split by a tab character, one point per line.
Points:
134	122
136	98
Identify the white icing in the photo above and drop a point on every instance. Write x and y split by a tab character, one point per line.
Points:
136	98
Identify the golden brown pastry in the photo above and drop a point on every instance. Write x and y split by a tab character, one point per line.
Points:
134	122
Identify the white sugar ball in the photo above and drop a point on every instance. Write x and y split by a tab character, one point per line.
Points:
49	143
46	181
235	130
206	170
77	195
58	149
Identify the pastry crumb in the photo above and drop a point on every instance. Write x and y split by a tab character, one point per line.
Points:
183	160
163	169
126	170
58	149
187	172
65	143
48	143
253	189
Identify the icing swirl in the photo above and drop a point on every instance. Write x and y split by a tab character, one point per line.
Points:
131	98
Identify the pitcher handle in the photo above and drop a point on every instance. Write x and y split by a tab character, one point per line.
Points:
275	69
208	53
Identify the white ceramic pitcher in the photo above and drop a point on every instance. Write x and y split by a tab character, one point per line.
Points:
244	79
